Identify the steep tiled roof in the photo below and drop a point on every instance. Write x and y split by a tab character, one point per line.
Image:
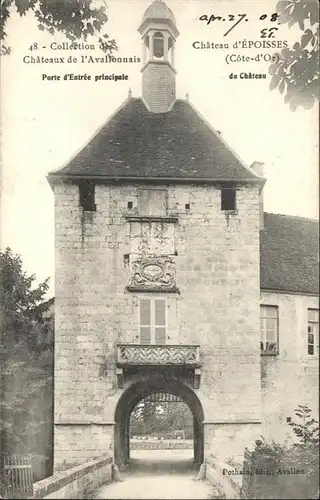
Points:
136	143
289	254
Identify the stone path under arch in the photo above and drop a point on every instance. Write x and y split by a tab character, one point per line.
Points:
157	474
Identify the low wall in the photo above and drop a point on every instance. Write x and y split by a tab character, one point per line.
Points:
164	444
223	476
75	482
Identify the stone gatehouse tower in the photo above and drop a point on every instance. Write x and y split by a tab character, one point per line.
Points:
157	272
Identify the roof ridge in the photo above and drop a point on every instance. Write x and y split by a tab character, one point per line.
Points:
300	217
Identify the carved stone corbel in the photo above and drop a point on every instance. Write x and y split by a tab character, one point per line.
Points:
120	377
196	378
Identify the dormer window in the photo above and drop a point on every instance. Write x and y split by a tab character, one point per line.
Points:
87	195
228	199
153	202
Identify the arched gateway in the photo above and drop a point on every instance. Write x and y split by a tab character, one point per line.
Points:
140	390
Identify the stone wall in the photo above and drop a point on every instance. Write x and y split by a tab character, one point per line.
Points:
165	444
77	443
226	441
291	377
75	482
216	258
227	479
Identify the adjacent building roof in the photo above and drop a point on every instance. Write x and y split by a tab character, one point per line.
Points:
179	144
289	254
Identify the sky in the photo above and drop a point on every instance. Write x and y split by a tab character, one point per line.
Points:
45	122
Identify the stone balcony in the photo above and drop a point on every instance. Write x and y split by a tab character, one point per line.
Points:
151	355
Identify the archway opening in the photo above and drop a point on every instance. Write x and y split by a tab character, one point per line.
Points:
159	414
161	428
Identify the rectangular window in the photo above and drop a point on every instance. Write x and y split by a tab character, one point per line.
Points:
269	322
313	332
152	321
87	195
153	202
228	199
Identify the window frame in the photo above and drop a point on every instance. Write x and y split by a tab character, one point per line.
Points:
315	334
153	325
228	190
265	352
158	36
87	195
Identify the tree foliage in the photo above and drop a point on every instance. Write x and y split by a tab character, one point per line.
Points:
276	458
25	359
18	297
307	428
161	418
296	72
76	19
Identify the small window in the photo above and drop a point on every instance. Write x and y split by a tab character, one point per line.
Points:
87	195
158	44
269	322
152	321
313	332
228	199
153	202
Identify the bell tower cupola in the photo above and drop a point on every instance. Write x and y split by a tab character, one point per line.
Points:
159	32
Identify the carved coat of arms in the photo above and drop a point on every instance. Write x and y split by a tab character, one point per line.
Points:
153	272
